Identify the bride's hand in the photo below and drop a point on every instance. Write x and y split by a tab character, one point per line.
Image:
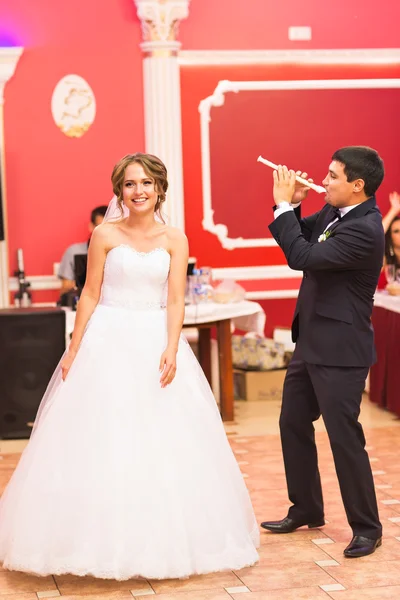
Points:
167	366
67	362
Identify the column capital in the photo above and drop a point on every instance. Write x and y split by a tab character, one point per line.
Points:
160	23
8	61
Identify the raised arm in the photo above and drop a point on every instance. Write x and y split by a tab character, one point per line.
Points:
307	224
393	211
348	248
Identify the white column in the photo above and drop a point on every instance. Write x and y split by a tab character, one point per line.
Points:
162	99
8	61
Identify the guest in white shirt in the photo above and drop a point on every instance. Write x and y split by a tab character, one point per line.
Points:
66	270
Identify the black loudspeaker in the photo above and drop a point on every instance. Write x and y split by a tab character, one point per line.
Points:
32	341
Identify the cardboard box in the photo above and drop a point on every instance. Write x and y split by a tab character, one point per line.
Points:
258	385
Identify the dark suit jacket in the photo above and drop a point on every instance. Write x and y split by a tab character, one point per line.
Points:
332	320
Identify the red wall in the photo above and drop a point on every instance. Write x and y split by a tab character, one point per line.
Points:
297	128
260	24
301	129
54	181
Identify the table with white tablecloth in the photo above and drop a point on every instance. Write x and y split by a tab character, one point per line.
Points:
245	315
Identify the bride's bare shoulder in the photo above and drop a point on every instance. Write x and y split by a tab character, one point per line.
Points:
104	234
177	240
174	234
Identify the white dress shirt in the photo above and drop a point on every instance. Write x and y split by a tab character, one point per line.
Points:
343	211
286	206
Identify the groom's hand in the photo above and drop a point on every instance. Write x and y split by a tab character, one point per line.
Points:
301	191
284	185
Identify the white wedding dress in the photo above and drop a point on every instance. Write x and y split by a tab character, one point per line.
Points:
122	478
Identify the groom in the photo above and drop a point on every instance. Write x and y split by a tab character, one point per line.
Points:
340	251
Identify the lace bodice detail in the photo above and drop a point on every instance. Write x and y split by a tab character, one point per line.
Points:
135	280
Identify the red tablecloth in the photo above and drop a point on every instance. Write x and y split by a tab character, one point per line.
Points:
385	374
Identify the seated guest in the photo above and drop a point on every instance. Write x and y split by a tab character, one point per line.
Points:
391	227
66	271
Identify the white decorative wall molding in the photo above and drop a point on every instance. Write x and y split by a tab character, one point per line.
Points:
272	295
358	56
259	273
38	282
256	273
160	18
217	99
9	58
162	96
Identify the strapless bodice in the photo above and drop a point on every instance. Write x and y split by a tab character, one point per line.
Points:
135	280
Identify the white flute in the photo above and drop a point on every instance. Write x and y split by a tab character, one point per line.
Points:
317	188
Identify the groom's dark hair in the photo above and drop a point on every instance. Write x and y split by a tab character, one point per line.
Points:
362	162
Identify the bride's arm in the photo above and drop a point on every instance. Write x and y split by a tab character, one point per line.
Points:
90	294
175	302
176	287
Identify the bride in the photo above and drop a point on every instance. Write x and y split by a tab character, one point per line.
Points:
128	471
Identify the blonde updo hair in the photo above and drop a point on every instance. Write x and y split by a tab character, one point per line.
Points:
154	169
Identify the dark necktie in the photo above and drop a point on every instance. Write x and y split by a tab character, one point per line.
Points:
336	212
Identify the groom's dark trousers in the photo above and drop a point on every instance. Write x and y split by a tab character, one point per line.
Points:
334	350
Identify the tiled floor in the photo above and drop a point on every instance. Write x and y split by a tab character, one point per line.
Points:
304	565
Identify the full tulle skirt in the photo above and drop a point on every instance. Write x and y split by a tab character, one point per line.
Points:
122	478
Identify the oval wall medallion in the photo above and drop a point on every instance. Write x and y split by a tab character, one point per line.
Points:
73	105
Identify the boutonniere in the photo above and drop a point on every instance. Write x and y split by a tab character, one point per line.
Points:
324	236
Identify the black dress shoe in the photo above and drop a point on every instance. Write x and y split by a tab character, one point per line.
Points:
361	546
287	525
